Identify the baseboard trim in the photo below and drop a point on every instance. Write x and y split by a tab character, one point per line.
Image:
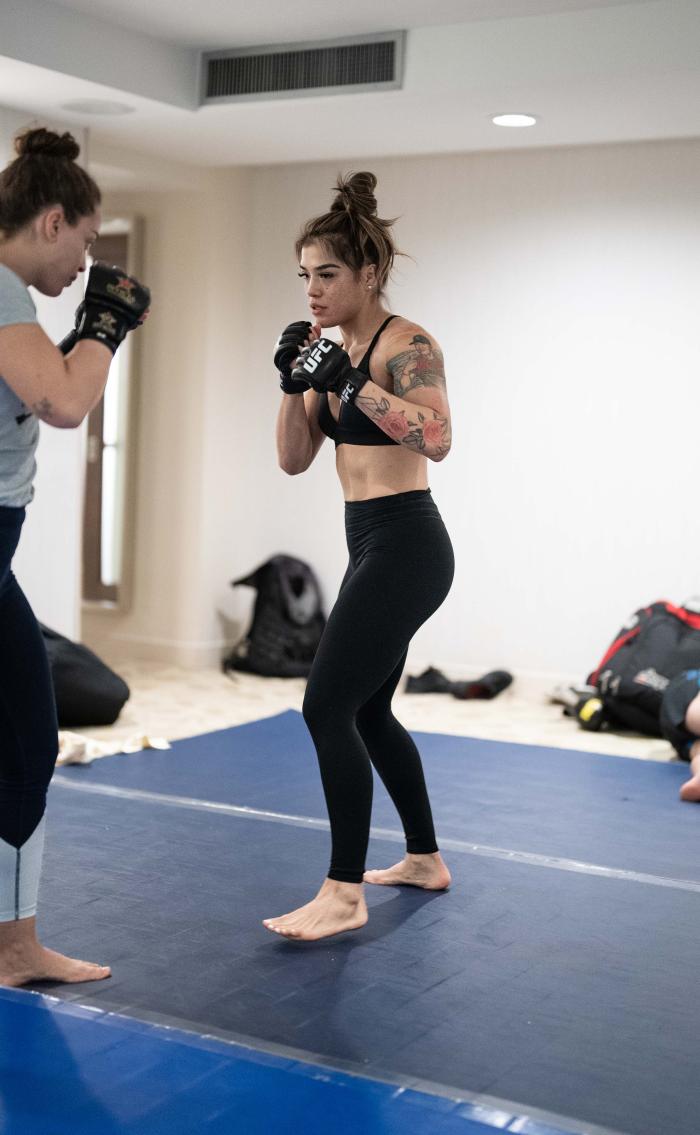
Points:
167	652
201	655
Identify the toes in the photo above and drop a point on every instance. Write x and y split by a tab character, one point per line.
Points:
285	931
99	973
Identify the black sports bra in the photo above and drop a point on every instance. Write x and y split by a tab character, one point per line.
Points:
353	427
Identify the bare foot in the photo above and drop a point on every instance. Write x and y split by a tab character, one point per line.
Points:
426	871
18	966
337	907
691	789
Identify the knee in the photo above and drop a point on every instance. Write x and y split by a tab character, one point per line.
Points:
374	722
315	710
692	716
327	715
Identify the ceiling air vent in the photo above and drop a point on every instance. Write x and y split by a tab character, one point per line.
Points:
366	63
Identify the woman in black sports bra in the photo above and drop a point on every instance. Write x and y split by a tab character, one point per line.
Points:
381	398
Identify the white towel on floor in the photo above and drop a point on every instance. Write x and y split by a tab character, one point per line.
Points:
74	749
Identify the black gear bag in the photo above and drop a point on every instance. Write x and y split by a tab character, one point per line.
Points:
87	692
287	621
657	643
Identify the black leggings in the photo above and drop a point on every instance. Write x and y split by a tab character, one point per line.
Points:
401	568
28	727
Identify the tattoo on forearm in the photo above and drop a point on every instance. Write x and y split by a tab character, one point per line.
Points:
424	434
420	365
43	409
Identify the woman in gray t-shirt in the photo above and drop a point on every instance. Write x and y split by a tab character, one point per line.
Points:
49	217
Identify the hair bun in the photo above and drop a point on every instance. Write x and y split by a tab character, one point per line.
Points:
356	194
46	143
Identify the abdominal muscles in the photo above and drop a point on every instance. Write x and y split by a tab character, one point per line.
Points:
368	471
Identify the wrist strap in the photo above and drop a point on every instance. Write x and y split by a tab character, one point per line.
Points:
107	340
352	385
68	342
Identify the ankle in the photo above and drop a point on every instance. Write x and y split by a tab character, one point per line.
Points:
18	936
348	892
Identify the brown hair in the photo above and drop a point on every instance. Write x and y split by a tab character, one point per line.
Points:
44	173
352	229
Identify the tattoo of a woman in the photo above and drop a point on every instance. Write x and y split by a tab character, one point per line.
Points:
420	365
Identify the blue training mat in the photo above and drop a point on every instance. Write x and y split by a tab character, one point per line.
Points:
613	811
568	992
67	1070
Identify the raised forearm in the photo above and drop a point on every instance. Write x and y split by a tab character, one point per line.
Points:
294	444
60	385
418	428
86	371
56	389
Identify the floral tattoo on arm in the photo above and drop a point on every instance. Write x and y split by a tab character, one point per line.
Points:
420	429
430	436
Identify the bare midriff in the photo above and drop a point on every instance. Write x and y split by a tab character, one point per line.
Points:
369	471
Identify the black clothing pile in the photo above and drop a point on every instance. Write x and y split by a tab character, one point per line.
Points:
433	681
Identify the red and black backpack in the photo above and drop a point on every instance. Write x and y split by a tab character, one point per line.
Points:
657	642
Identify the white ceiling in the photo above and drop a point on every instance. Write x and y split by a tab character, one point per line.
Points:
240	23
592	72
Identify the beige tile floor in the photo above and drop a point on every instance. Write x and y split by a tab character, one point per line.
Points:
170	702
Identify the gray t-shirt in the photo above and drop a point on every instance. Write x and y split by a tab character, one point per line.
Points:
19	429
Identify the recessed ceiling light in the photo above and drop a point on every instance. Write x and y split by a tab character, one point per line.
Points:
514	120
96	106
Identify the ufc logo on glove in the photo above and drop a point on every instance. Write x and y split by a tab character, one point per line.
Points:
323	347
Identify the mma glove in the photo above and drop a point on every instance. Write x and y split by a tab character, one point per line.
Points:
114	304
68	341
327	367
287	351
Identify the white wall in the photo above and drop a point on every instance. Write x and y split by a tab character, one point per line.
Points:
48	561
191	346
563	286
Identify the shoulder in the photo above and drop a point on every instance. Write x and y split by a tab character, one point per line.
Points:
404	333
12	284
16	304
410	357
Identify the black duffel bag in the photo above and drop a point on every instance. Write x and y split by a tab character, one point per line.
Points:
87	692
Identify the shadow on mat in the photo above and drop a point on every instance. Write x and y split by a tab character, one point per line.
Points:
384	917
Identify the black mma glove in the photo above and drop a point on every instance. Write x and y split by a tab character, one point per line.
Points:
287	350
114	304
68	341
327	367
